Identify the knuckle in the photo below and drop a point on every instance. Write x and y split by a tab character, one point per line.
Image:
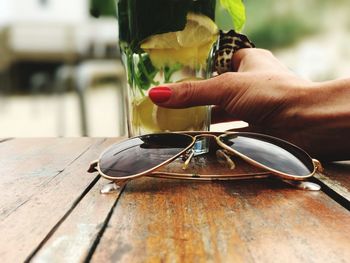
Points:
264	52
225	76
230	80
226	82
187	94
226	90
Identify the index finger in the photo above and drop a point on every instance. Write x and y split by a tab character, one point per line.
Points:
214	91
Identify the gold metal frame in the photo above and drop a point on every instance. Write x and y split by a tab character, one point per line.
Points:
95	166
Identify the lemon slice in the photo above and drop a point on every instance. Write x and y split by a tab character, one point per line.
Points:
189	47
199	30
151	118
194	118
143	112
161	41
181	119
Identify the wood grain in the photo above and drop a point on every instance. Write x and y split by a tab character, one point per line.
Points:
27	164
162	220
337	177
77	234
41	181
52	207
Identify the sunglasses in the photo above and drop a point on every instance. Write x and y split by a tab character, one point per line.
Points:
144	155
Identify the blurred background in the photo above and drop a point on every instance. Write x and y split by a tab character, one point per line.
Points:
60	69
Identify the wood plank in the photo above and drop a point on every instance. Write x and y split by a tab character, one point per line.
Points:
337	177
27	164
47	178
162	220
77	234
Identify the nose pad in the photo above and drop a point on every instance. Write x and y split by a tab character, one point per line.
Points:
188	159
224	159
201	145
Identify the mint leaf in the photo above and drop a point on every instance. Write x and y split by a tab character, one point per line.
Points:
146	73
169	71
237	11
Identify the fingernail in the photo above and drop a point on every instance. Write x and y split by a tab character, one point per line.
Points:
159	94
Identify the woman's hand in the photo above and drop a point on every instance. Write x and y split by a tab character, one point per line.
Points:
273	100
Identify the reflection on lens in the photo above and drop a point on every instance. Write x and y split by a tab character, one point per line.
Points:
142	153
271	152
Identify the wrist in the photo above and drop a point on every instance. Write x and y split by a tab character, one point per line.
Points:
300	103
325	102
321	117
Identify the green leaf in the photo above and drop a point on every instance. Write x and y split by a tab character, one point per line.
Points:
146	72
237	11
169	71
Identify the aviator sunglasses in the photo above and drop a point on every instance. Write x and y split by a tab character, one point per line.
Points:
143	155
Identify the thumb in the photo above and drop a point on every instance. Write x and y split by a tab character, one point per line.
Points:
214	91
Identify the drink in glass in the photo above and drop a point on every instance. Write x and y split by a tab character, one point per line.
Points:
166	41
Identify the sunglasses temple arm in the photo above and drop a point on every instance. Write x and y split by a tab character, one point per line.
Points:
93	167
188	160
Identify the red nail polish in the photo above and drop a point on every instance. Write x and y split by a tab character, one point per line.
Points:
159	94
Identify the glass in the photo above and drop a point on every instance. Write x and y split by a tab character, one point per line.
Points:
165	41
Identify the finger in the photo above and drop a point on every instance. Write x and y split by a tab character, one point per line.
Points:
254	59
214	91
219	115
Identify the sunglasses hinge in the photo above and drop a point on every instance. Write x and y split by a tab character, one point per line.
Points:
93	167
318	165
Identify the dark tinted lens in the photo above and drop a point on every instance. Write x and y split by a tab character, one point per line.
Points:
271	152
142	153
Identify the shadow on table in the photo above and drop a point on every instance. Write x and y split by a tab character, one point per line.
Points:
160	185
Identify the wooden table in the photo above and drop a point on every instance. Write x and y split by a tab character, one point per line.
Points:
52	211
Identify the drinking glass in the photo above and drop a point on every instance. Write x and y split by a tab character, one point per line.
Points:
166	41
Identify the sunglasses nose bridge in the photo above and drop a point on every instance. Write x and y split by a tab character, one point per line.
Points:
207	135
